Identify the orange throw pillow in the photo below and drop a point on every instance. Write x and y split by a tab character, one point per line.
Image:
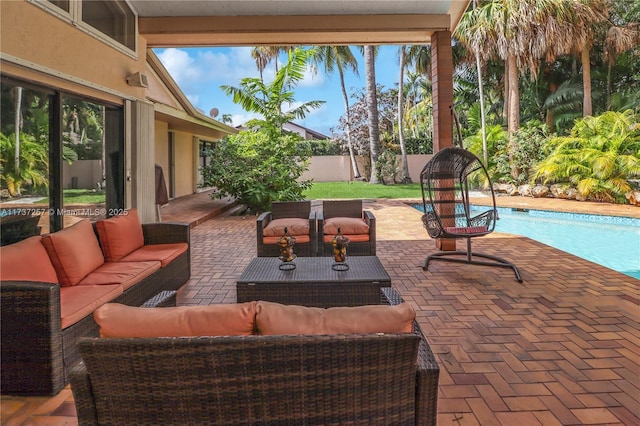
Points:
348	225
26	260
295	226
120	235
116	320
274	318
74	252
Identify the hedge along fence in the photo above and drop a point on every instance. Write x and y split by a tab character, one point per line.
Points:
336	168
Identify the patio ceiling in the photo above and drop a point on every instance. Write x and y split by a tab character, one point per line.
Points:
300	22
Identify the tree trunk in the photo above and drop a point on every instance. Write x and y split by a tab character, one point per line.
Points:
505	106
372	109
354	163
16	156
483	125
587	108
514	112
406	176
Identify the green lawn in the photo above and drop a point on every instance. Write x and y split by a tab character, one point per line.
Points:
329	190
80	196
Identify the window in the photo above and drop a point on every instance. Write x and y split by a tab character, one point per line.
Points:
108	20
113	18
70	155
62	4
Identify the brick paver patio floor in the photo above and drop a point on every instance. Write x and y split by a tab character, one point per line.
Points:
561	348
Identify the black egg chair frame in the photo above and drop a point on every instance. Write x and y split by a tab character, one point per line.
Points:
445	182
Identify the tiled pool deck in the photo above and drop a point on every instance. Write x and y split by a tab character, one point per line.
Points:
561	348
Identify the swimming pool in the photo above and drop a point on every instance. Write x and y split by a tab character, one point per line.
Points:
610	241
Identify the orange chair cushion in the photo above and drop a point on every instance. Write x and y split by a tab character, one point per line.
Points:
467	230
116	320
348	226
164	253
80	301
26	260
120	235
295	225
360	238
74	252
274	240
274	318
127	274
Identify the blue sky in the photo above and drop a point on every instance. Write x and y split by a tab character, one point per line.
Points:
200	72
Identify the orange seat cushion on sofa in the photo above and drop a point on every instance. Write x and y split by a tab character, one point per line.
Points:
274	240
275	318
347	225
360	238
164	253
120	235
295	225
116	320
74	252
127	274
81	300
26	260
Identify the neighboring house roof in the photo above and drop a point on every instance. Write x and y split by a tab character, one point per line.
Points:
303	131
172	105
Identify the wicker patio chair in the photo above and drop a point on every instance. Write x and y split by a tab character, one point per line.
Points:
361	244
446	181
277	219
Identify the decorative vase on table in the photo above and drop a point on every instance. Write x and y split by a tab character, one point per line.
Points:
340	243
286	244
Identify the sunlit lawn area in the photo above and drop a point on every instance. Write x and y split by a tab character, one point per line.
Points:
328	190
80	196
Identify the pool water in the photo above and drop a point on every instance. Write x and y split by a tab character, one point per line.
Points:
610	241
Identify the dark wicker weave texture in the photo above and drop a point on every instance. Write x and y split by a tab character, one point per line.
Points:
287	209
347	208
355	379
313	282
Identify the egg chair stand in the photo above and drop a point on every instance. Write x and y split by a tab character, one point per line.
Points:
445	182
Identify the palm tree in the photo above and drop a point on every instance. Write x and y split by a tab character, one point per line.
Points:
405	177
523	33
17	124
341	57
268	99
372	110
262	59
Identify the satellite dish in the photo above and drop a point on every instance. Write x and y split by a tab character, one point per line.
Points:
214	112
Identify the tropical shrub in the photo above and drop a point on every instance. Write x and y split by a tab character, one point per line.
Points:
322	147
599	157
33	167
257	167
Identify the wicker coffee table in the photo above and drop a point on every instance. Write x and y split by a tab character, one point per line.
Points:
313	282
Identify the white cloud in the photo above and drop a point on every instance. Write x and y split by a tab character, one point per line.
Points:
239	119
312	79
180	65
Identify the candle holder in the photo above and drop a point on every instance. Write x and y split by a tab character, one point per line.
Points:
340	243
286	243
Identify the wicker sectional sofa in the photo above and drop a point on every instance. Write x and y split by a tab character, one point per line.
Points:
50	285
267	364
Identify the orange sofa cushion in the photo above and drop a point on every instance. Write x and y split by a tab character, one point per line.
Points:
81	300
120	235
127	274
274	318
274	240
360	238
348	226
116	320
74	252
295	225
26	260
164	253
